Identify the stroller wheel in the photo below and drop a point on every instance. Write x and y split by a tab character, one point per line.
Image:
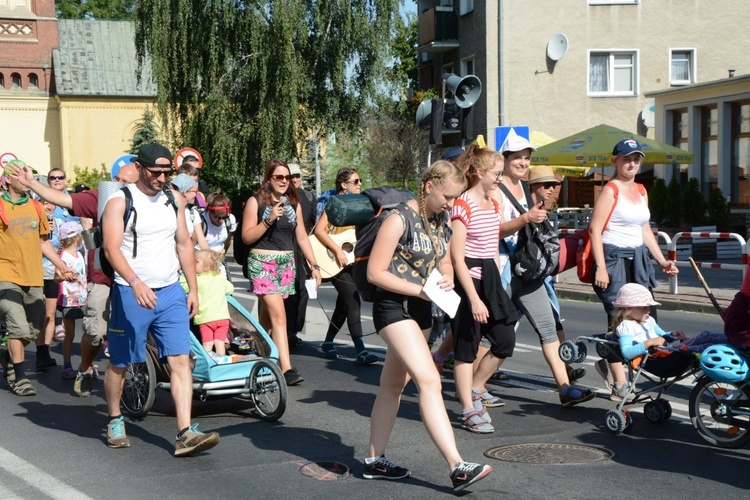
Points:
582	351
268	390
667	408
139	389
603	350
618	421
655	412
568	351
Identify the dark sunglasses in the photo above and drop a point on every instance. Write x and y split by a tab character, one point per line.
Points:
159	171
279	178
296	176
221	217
548	185
355	181
56	177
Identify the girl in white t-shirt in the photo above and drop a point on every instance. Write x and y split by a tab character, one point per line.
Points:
72	297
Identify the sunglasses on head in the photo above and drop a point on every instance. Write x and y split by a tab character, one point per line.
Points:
56	177
280	178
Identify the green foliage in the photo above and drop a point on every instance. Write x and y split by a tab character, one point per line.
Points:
693	204
673	208
405	69
244	82
657	200
95	9
90	178
718	210
145	132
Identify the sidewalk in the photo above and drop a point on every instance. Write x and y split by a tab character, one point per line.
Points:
691	297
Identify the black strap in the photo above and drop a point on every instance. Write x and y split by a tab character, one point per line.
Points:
520	208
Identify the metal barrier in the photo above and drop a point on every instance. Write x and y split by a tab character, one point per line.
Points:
672	255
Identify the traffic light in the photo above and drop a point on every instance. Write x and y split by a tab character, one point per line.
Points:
454	115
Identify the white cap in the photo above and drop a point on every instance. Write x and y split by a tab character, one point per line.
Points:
294	169
515	142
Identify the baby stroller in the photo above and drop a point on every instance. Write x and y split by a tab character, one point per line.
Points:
656	409
256	375
720	401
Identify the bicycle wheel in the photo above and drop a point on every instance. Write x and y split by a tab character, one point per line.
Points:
720	412
139	390
268	390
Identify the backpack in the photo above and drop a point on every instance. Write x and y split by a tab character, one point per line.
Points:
240	251
382	199
104	264
538	249
584	255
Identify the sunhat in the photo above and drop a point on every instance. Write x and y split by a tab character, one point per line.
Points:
634	295
542	173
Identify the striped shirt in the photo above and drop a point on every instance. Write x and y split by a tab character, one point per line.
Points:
482	229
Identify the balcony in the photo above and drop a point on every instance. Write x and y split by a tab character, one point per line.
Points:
438	30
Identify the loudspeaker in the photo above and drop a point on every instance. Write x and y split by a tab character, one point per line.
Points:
424	112
466	90
436	122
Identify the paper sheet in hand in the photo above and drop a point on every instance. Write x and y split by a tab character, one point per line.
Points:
447	300
312	288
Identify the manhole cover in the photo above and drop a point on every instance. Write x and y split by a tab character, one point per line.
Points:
325	471
549	453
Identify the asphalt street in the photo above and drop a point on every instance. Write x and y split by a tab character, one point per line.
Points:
53	445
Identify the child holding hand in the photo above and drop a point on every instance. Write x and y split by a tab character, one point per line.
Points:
212	317
72	297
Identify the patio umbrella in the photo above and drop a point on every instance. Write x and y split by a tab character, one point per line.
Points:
593	147
539	139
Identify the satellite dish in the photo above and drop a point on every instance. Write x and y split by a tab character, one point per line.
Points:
648	115
557	46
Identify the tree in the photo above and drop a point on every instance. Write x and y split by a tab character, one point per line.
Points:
693	204
145	132
673	211
246	81
90	178
718	210
657	200
95	9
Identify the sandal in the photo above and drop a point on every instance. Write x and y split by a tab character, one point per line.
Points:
329	350
570	396
365	358
489	400
500	376
575	373
23	387
473	422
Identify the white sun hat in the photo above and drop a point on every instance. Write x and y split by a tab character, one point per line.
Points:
634	295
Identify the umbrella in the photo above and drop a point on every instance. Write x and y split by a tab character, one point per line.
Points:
593	147
539	139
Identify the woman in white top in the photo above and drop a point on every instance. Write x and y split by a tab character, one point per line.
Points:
624	246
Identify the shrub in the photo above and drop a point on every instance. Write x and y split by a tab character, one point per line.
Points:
657	200
90	178
673	203
718	210
693	204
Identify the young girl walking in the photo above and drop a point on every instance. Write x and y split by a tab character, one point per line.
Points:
212	317
72	297
413	241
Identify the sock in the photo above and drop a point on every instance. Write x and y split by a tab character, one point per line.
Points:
183	431
44	348
370	460
112	418
359	344
67	364
19	371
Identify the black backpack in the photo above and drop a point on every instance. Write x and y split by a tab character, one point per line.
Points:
538	249
383	199
104	263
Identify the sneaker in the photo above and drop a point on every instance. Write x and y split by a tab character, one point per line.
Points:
292	377
602	368
116	437
438	364
82	385
382	468
449	362
467	473
59	334
365	358
68	373
193	441
575	373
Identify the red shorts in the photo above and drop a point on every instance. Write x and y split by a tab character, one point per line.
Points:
214	330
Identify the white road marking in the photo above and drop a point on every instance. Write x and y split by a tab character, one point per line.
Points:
35	478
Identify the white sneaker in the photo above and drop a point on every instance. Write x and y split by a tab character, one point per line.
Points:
59	333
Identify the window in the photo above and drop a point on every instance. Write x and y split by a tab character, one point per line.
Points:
467	66
446	68
33	80
709	148
16	79
681	66
2	80
740	180
465	6
680	133
613	73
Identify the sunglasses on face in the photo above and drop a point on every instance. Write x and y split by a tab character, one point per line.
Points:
296	176
354	181
281	178
156	172
56	177
548	185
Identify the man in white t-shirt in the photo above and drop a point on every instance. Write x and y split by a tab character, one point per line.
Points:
147	297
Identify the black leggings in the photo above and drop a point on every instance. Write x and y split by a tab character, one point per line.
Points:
348	305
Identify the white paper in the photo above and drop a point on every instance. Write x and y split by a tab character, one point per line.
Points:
447	300
312	290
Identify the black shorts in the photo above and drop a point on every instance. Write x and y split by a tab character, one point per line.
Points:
51	289
389	308
71	312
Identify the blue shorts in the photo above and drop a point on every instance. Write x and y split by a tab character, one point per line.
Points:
129	325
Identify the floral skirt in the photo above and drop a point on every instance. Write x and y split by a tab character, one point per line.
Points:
272	274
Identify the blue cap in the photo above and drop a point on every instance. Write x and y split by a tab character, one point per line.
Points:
626	147
452	153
